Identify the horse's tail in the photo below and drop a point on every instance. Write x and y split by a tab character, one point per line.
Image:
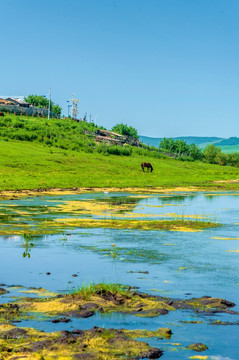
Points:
151	168
142	166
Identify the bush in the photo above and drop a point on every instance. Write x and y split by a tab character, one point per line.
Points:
221	159
119	150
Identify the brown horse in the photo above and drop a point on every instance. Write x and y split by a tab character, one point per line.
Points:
146	165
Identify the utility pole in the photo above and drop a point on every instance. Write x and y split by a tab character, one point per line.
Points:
49	105
69	106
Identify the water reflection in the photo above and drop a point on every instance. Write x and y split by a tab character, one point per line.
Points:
177	198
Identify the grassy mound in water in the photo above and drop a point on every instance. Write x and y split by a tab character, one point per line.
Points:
105	298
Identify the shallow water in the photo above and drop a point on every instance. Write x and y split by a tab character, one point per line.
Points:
179	264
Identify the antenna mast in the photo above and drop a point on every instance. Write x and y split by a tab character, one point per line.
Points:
74	106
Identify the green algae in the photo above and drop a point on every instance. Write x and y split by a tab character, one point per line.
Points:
132	254
197	347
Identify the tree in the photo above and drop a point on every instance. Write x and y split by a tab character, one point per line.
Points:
124	129
181	147
164	144
195	152
210	153
41	102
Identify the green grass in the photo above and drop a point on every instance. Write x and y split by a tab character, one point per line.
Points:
86	291
29	165
39	154
229	149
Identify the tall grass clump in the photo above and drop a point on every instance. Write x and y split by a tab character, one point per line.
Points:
87	291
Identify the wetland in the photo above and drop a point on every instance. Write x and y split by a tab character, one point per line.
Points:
108	275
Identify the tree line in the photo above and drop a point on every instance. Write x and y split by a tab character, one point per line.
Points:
211	154
43	103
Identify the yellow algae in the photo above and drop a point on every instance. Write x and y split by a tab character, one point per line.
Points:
40	292
184	229
184	216
50	306
5	327
163	205
98	343
59	191
200	357
96	207
140	196
236	251
131	214
169	244
223	238
15	287
154	206
173	225
21	212
161	332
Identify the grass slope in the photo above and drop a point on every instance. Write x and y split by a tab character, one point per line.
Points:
28	165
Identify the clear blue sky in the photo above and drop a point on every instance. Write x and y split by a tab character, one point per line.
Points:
167	67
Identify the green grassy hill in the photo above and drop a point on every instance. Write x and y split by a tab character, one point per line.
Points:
40	154
26	165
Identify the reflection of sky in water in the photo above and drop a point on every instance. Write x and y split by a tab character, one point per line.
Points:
178	263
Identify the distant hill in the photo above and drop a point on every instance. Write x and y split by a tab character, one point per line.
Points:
230	141
149	140
200	141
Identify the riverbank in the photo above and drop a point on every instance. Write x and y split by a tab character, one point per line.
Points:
8	194
15	194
